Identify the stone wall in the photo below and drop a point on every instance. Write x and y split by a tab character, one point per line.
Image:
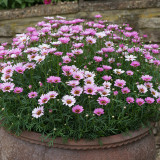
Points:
142	15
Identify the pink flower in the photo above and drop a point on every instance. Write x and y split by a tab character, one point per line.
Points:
52	94
100	69
64	40
158	100
120	83
78	75
58	53
77	91
7	87
8	70
77	109
107	67
90	40
18	90
97	58
32	94
115	93
103	100
43	99
125	90
149	100
109	49
147	78
67	70
40	84
98	111
135	63
53	79
106	78
98	16
140	101
130	100
148	84
47	1
20	69
130	73
73	83
66	59
90	89
30	86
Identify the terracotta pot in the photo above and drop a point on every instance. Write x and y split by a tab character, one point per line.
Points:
138	145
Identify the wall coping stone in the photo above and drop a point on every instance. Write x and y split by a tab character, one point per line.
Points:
63	8
40	10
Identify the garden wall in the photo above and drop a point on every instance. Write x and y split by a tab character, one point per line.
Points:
142	15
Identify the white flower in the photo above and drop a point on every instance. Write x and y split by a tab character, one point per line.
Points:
89	80
154	92
38	112
89	74
107	85
105	92
68	100
100	34
142	88
130	58
118	71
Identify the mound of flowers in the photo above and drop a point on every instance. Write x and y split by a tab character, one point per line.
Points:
79	79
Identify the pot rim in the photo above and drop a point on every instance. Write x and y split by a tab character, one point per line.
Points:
82	144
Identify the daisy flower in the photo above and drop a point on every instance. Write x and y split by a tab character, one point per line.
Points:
77	109
52	94
154	92
118	71
103	100
32	94
119	83
142	88
7	87
43	99
38	112
106	78
90	89
107	85
68	100
146	78
73	83
53	79
149	100
78	75
76	91
130	100
98	111
105	92
130	58
89	80
125	90
18	90
140	101
90	40
89	74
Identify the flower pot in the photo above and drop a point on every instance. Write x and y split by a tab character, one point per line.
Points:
138	145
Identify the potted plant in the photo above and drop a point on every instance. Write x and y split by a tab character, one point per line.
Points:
88	89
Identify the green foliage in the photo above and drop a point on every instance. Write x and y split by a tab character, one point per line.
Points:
11	4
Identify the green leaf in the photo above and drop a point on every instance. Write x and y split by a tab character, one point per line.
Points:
5	2
23	5
19	1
